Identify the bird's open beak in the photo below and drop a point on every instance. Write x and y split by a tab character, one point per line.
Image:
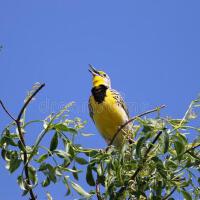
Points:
93	71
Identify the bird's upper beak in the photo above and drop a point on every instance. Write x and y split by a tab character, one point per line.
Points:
93	71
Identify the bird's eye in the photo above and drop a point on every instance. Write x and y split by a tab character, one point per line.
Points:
104	75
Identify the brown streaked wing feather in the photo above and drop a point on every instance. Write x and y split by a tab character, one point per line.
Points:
90	109
120	101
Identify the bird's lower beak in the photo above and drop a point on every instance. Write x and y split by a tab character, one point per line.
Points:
93	71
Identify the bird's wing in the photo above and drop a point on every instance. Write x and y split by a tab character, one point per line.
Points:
120	101
90	109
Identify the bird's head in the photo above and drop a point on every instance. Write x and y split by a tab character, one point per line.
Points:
99	77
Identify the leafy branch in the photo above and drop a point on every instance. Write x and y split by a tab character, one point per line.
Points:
134	118
142	163
159	163
21	136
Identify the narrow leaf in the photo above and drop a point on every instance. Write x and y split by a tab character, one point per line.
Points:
42	158
54	142
75	173
81	161
139	146
166	142
80	190
186	195
89	176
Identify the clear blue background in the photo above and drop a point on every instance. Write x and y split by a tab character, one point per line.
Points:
150	49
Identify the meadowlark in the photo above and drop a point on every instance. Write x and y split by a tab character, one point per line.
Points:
107	109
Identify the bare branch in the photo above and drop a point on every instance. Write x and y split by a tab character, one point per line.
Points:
4	108
167	196
192	148
99	197
28	101
134	118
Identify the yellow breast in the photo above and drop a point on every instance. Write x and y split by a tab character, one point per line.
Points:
108	117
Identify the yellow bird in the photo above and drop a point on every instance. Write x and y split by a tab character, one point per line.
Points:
107	109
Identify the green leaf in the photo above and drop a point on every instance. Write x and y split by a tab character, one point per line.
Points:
21	146
186	195
3	154
139	145
64	128
21	183
179	147
169	164
99	169
80	160
75	174
42	158
176	122
80	190
160	167
159	190
49	171
65	181
46	182
61	127
54	142
166	142
91	152
72	130
52	175
199	180
43	166
9	141
14	163
71	151
89	176
72	170
181	137
33	174
61	153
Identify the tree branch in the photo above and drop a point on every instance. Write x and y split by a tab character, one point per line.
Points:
28	101
146	154
4	108
192	148
132	119
187	151
99	197
143	162
167	196
21	136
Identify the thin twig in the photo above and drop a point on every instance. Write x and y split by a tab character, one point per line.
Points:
143	162
132	119
187	151
33	197
146	154
4	108
21	136
28	101
192	148
167	196
98	193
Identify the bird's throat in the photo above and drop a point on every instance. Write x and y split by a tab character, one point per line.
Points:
99	93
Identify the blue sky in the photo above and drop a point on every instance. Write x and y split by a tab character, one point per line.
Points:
150	49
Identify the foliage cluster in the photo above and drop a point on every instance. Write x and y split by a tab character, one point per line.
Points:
159	163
